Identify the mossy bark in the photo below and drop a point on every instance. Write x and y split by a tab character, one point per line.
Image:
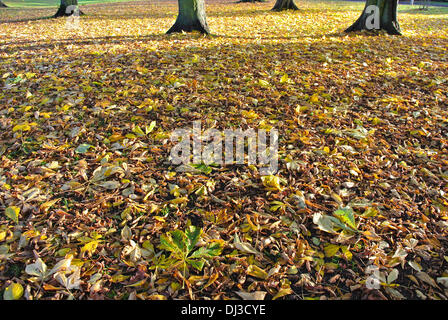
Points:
191	17
387	15
281	5
66	8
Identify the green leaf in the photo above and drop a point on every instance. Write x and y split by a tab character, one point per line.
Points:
13	213
202	167
215	248
181	244
166	243
347	216
179	239
82	148
193	234
212	250
197	264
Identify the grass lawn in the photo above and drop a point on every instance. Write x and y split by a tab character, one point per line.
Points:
86	116
50	3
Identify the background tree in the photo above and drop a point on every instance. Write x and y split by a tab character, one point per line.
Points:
387	10
191	17
2	5
65	10
284	5
424	5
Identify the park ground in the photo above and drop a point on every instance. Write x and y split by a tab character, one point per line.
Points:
87	193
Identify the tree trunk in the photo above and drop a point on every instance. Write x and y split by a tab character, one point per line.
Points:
191	17
66	8
378	14
281	5
2	5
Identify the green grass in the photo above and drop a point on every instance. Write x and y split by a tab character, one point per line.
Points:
50	3
415	9
55	3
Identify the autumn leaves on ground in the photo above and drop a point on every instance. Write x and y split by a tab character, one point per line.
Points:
92	208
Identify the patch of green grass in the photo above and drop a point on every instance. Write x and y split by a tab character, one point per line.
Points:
50	3
415	10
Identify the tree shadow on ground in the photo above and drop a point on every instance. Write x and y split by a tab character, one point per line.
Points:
173	13
27	20
35	45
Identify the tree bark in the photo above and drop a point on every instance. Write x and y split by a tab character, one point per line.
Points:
66	8
2	5
387	17
281	5
191	17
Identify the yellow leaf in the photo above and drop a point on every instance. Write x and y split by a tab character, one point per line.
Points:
138	131
29	75
21	127
347	252
157	297
179	200
137	284
330	250
314	98
115	137
195	58
90	247
13	292
284	78
47	205
257	272
282	292
263	83
336	198
119	278
161	219
131	136
249	114
271	182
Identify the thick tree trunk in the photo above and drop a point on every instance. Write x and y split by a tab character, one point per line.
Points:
67	8
191	17
284	5
2	5
378	14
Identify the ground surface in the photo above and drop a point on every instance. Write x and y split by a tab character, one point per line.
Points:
87	190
